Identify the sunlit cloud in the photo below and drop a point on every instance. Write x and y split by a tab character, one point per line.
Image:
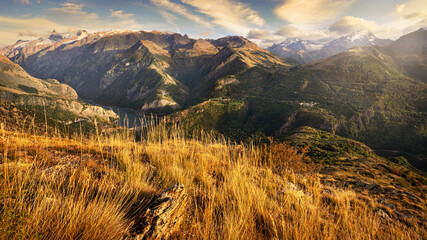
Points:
12	29
71	13
206	33
350	24
169	17
181	10
265	38
120	14
28	2
311	11
231	15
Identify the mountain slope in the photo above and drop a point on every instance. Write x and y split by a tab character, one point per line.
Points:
410	53
18	87
150	71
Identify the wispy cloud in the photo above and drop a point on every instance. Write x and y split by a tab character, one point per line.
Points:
181	10
71	13
28	2
311	11
206	33
12	29
169	17
229	14
120	14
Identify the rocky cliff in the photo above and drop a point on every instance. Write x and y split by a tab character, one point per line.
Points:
18	87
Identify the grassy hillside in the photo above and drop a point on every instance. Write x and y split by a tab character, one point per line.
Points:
62	186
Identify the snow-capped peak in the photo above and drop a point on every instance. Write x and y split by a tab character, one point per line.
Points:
360	36
297	44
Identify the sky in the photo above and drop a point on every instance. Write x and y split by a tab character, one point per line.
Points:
263	21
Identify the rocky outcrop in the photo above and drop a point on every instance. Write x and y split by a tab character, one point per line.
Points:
70	105
162	216
161	103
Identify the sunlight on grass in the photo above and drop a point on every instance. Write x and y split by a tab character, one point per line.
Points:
91	188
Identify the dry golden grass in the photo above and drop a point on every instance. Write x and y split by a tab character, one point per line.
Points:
90	188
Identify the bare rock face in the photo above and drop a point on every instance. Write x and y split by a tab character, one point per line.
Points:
162	216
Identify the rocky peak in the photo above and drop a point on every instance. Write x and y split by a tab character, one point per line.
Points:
234	42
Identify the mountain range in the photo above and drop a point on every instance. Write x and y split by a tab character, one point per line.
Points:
230	85
150	71
305	51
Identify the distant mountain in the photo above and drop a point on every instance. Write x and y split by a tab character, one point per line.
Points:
150	71
377	95
308	51
410	53
18	87
297	48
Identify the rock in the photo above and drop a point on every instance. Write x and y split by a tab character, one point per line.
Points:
160	103
162	216
383	214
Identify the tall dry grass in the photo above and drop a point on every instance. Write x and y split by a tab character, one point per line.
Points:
91	187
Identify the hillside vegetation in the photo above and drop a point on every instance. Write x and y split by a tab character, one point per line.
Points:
376	95
70	186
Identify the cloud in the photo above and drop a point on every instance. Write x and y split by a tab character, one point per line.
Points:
206	33
259	34
229	14
413	15
120	14
291	31
399	8
311	11
265	38
28	34
170	18
71	13
23	1
350	24
412	10
181	10
68	17
234	16
12	29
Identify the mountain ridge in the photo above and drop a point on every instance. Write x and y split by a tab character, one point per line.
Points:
306	51
173	63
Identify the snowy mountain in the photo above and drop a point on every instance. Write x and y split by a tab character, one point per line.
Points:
306	51
48	42
296	48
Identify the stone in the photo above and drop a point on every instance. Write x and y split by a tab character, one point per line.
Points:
162	216
383	214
